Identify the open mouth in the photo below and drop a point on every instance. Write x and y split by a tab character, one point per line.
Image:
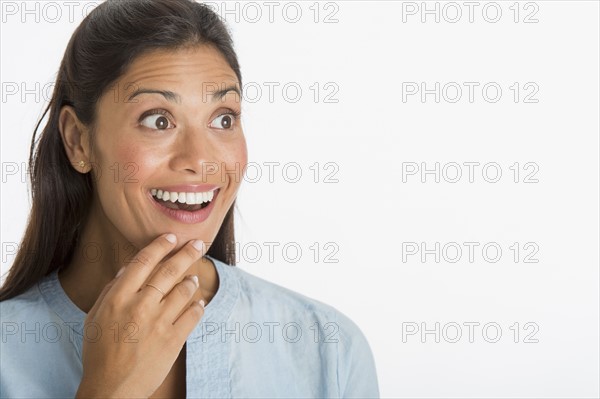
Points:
182	201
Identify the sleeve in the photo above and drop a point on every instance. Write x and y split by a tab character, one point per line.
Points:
357	374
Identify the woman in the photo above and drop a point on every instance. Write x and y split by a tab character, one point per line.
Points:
124	284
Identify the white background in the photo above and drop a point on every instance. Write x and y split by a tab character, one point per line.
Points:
367	53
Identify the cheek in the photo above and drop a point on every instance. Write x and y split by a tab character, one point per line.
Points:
124	165
236	159
132	162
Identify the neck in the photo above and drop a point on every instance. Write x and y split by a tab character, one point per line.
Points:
101	252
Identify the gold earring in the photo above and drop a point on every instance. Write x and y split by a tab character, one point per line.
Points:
82	164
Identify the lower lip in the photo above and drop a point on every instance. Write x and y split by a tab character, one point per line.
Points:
185	216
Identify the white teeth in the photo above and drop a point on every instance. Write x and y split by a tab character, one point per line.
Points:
190	198
183	197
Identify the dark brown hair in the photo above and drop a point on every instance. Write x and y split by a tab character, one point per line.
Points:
99	52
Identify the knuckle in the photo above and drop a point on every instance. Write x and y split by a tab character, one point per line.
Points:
114	303
186	288
161	328
110	307
141	310
169	271
142	259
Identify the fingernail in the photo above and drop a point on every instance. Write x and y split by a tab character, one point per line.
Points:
194	279
171	238
201	302
199	245
120	272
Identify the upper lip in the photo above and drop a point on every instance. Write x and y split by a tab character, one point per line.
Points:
188	188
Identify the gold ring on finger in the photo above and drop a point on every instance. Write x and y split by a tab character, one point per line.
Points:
159	290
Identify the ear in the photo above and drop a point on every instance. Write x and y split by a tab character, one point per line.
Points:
75	137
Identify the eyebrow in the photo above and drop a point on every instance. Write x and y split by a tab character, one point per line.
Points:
174	97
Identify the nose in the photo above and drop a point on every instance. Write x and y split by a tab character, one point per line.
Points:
194	153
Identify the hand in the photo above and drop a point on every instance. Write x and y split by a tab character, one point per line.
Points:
132	335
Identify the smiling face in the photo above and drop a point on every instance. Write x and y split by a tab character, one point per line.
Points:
171	123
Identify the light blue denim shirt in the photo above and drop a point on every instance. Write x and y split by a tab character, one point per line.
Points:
256	340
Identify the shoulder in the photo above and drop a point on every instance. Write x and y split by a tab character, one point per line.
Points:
33	341
24	313
23	304
265	300
28	311
274	299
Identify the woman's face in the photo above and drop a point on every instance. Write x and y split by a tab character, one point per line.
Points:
169	123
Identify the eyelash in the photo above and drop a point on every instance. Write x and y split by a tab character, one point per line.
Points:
167	114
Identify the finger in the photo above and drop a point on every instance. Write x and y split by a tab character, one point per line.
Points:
188	320
144	262
179	298
171	271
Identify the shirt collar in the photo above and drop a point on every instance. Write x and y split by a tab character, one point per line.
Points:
217	310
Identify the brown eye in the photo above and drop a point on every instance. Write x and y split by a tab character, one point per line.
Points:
156	122
162	122
224	121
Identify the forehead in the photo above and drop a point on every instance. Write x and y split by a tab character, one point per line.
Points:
195	67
